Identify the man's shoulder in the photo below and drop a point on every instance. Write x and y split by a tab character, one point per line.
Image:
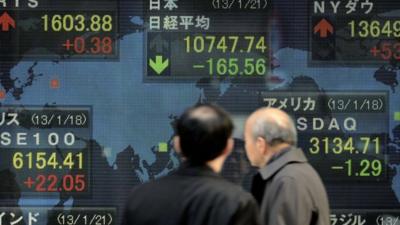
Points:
297	171
224	193
192	185
182	196
190	193
230	189
301	177
218	186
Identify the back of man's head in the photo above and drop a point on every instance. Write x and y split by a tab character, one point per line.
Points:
203	132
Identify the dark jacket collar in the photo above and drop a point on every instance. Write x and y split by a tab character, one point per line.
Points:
189	169
288	155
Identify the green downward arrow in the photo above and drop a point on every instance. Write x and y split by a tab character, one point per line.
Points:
159	65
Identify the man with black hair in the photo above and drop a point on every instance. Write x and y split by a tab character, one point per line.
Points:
195	194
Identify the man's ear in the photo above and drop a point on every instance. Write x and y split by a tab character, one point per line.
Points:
177	145
229	146
261	145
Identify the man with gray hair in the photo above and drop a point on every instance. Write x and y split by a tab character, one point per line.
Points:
288	189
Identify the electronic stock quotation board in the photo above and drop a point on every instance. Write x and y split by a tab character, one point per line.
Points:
90	91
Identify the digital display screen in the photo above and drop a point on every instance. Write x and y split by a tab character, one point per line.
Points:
90	91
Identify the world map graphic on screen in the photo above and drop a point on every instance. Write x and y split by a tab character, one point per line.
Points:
90	92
